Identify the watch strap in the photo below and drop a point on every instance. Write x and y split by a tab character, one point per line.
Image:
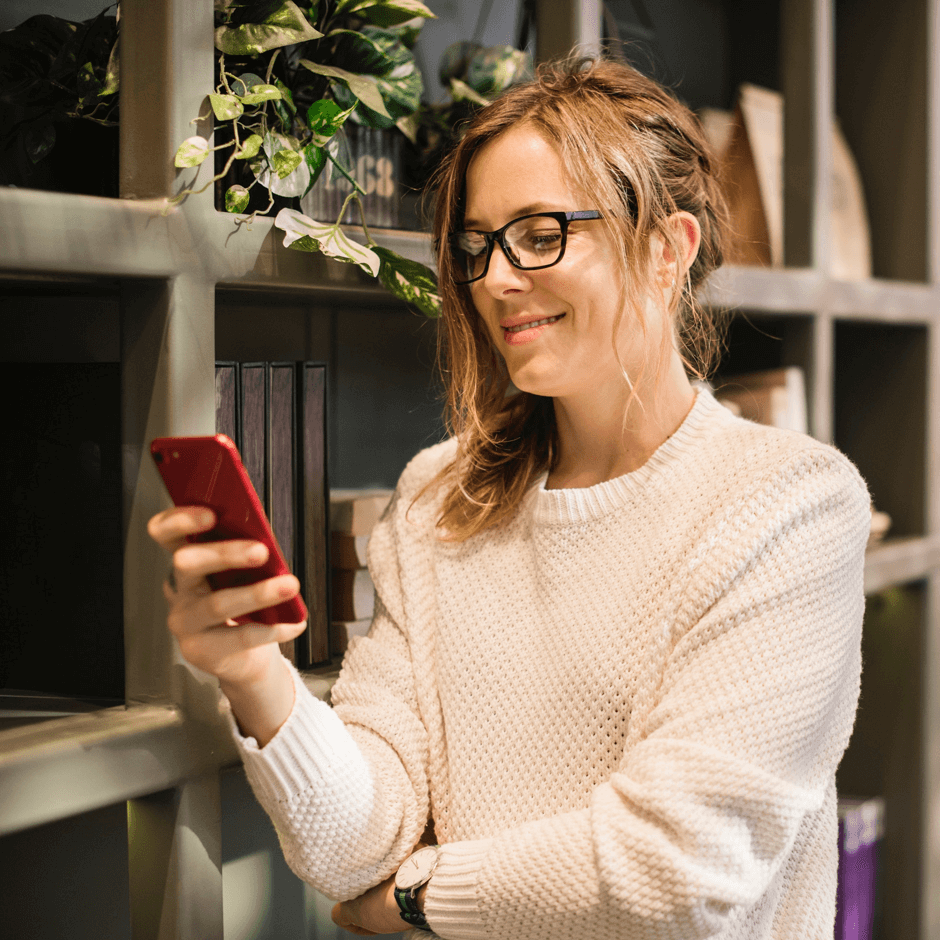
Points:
408	908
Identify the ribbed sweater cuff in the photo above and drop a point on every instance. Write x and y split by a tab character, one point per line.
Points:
451	904
312	737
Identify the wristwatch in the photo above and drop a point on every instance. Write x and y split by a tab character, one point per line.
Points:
415	872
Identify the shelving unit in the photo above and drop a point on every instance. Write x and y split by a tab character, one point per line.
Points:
181	285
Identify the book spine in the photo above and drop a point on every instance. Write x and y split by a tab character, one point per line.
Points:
254	407
226	400
314	503
280	475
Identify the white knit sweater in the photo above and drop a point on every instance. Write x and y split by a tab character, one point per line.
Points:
623	709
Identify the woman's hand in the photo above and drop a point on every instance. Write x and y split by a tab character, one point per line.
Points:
376	911
245	657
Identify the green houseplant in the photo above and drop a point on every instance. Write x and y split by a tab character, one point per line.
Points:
474	75
290	76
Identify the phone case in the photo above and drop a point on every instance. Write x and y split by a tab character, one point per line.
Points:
208	471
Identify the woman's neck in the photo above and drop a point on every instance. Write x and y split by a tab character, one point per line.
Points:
605	434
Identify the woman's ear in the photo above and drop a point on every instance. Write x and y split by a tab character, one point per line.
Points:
686	236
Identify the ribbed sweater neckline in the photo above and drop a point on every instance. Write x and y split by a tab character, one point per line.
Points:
566	506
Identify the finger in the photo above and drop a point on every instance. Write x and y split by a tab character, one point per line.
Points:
217	649
195	612
170	527
194	561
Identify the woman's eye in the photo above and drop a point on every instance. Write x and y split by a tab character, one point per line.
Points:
546	240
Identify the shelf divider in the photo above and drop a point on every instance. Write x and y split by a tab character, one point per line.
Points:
807	76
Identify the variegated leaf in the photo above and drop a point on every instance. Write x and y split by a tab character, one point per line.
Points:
331	240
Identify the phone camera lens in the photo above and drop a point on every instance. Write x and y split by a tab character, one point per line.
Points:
158	457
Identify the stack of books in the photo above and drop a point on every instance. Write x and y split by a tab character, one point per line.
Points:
353	514
749	146
275	412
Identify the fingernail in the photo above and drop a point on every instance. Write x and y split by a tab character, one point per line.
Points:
287	588
257	553
204	517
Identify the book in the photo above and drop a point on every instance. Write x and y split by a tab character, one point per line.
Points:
861	824
355	512
313	505
342	631
353	595
775	396
226	399
253	408
348	551
280	473
751	174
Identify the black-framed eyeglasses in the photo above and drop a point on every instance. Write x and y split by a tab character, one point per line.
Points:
529	242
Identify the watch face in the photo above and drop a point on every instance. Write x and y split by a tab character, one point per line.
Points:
417	869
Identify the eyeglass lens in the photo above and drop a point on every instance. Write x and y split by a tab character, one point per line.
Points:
534	242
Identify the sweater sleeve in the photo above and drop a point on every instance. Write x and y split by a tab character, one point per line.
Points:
346	787
755	708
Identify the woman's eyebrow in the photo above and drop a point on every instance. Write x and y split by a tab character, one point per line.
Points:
471	223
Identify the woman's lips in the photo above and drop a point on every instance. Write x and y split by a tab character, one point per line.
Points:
526	332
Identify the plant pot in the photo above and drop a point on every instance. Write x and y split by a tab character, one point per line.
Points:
375	162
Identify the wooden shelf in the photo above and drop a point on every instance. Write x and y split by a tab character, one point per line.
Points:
899	561
65	766
797	291
55	767
60	235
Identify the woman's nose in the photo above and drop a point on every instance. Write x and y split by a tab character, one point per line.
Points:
502	275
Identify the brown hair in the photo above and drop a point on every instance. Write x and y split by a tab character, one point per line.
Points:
643	156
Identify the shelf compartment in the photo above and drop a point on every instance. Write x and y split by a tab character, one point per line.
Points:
72	765
881	100
68	878
758	341
374	429
885	755
880	385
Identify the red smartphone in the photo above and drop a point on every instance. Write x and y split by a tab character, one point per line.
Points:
208	471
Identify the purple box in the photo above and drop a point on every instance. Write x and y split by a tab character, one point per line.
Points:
861	823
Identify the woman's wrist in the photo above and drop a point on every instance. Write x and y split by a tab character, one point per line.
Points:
261	704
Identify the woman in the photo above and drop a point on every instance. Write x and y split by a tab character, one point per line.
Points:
615	657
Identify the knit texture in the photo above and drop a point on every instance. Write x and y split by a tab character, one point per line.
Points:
623	708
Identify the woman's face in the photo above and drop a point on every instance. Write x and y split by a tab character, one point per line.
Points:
518	173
